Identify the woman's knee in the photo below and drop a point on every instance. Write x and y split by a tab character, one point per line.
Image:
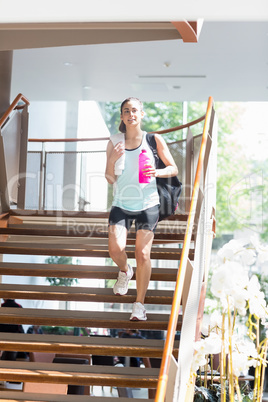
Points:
142	255
117	240
115	250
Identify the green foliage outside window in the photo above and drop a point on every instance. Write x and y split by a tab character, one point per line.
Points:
54	281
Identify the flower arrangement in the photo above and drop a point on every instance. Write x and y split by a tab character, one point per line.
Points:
234	332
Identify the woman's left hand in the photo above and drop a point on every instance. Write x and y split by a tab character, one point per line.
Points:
150	171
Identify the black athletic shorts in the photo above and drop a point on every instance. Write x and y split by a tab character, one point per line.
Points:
146	220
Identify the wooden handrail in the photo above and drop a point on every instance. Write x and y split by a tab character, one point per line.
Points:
168	130
12	107
163	376
181	127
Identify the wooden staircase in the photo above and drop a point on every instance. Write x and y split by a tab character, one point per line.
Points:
181	245
23	238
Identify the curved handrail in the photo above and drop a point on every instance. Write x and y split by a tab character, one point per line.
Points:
12	107
173	320
181	127
186	30
168	130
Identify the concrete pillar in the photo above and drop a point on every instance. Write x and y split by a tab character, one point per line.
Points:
5	79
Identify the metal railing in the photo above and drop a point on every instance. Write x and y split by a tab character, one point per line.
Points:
14	105
13	153
182	151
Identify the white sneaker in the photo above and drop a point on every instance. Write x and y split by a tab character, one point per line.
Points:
121	285
138	312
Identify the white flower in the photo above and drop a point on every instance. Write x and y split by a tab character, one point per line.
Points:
212	322
200	347
240	363
261	250
203	348
248	256
213	343
239	301
199	360
216	319
230	250
230	278
256	299
246	346
263	255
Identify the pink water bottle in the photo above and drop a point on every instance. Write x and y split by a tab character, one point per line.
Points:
143	161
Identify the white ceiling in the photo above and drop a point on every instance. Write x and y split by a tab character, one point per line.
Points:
17	11
229	62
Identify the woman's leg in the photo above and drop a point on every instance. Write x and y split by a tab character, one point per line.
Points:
117	250
144	241
117	246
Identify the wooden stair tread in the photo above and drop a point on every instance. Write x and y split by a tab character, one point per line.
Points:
75	214
94	345
75	293
81	225
78	250
78	271
94	232
79	374
15	396
82	241
99	240
77	318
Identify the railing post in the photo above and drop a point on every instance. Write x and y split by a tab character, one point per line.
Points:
189	169
4	196
42	178
23	158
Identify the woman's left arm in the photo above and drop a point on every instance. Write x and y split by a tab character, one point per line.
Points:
164	153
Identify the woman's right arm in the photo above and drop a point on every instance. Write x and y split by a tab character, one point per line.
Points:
112	154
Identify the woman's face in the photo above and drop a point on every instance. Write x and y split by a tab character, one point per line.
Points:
132	113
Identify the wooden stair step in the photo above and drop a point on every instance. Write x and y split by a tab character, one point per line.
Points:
83	225
94	345
28	213
94	232
78	318
79	374
80	241
52	249
78	271
15	396
75	293
45	214
100	240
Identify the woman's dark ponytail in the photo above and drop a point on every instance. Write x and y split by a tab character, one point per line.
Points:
122	127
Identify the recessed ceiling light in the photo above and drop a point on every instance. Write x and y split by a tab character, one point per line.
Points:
86	87
172	76
167	64
67	64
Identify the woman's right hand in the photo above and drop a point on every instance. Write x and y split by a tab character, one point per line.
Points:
113	153
117	152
